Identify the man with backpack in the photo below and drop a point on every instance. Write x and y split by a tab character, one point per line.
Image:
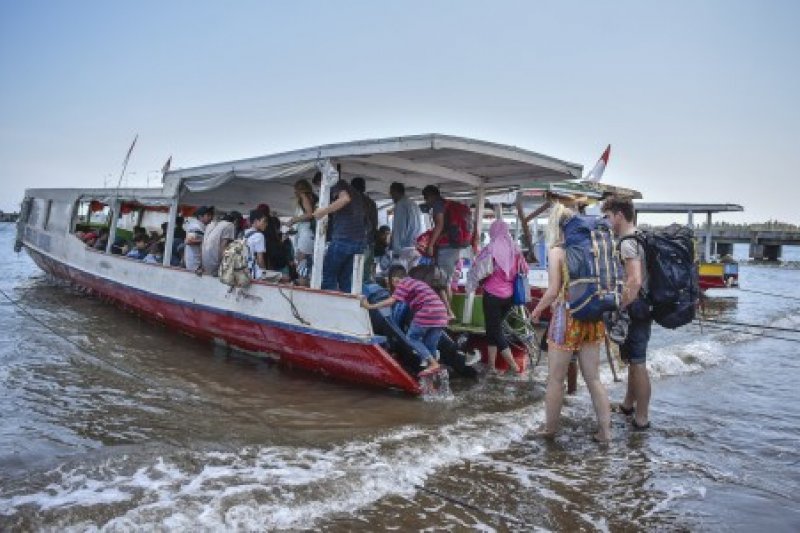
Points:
620	215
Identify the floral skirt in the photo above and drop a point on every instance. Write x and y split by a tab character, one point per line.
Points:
570	335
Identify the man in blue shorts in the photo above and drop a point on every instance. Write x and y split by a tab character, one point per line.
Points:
620	214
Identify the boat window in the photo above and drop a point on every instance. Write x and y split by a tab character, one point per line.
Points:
90	214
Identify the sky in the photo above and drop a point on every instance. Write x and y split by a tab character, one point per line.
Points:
699	99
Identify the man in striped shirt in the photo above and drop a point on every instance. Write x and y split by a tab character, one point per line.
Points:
430	314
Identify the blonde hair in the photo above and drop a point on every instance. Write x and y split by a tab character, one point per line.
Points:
555	233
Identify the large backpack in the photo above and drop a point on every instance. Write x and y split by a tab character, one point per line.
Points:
672	274
234	270
457	225
594	270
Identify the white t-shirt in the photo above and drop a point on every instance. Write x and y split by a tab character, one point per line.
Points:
192	254
256	244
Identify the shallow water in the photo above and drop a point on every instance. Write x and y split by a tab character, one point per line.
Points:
109	422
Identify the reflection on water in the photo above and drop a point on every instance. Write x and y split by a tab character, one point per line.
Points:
109	421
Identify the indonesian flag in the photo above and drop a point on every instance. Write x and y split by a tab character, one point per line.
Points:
597	172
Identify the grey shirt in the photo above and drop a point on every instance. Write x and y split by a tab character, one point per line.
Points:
215	233
406	225
630	248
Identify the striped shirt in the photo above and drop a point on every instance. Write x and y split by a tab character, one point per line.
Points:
429	310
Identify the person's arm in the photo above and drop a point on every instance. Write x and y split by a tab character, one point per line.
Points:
193	238
378	305
342	199
555	256
438	228
633	281
261	260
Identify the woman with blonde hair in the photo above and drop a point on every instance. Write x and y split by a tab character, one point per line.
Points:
303	218
567	335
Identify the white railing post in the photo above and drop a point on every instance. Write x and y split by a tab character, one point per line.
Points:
469	303
170	241
329	177
358	274
112	230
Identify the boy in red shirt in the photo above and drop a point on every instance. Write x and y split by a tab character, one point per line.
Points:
430	314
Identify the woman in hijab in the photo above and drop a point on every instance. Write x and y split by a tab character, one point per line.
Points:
503	258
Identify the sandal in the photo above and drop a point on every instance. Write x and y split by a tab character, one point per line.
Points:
639	427
429	371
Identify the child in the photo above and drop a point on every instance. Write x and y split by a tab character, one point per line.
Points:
430	314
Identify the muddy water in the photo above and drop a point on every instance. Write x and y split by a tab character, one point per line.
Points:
107	422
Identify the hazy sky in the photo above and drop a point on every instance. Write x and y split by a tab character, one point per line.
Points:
699	99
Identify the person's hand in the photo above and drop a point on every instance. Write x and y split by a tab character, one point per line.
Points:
364	302
536	316
430	250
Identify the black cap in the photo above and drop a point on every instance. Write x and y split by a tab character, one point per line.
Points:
203	210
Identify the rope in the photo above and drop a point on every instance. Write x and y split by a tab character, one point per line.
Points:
784	296
752	333
746	325
84	352
295	312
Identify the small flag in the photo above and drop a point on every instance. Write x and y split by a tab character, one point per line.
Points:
597	172
166	166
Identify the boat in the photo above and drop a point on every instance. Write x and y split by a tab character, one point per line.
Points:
309	328
715	272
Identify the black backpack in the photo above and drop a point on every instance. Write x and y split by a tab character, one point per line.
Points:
673	277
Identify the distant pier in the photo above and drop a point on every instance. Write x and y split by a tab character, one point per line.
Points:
8	217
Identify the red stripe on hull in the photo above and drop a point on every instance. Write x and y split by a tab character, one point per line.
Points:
367	364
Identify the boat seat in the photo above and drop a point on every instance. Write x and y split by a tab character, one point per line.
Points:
478	323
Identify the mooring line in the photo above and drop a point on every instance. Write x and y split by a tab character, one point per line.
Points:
763	293
751	333
706	320
84	352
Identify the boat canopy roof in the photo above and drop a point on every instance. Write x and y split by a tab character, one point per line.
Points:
454	164
658	207
144	196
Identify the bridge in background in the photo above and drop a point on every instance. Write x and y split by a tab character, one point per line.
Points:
765	243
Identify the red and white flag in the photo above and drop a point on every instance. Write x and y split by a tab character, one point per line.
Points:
166	166
597	172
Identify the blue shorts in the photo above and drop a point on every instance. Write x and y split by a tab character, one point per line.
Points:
634	349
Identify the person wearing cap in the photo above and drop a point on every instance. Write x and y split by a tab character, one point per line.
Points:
195	231
217	237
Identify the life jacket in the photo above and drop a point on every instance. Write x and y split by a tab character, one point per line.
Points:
594	270
672	274
234	270
458	225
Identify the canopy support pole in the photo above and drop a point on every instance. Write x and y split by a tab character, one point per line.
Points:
470	301
358	274
112	229
170	242
708	238
329	177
